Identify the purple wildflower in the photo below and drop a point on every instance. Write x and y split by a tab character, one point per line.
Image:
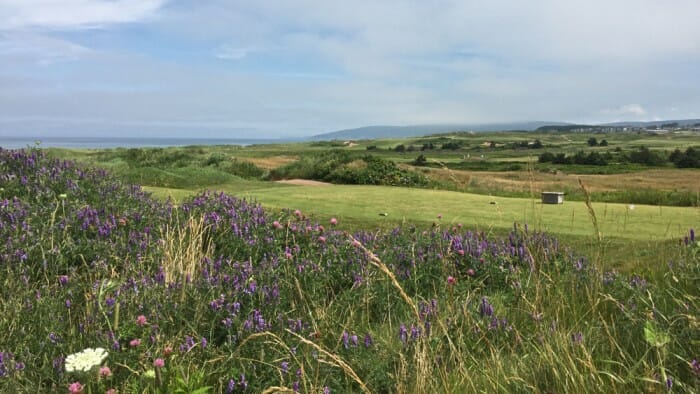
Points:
345	339
368	340
403	333
485	308
577	338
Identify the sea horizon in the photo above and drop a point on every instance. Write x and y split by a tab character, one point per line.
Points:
18	142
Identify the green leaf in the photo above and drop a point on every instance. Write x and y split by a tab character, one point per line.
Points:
655	336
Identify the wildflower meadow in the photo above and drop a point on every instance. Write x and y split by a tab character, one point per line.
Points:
105	290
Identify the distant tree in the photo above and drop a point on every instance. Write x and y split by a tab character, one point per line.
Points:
400	148
453	145
579	158
646	157
688	159
546	157
592	141
675	156
561	158
420	160
537	144
372	147
603	143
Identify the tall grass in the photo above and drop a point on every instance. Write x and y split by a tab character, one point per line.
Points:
220	295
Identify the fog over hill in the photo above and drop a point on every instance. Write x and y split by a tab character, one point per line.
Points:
374	132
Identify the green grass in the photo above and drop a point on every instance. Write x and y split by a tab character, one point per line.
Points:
632	238
216	289
363	205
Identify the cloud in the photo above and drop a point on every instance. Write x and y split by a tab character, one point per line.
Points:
634	110
73	14
39	49
229	52
308	66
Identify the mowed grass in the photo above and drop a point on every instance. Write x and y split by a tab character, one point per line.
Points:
632	236
383	206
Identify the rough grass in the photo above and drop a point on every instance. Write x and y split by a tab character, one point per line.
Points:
217	294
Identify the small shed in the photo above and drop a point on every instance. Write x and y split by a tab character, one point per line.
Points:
552	197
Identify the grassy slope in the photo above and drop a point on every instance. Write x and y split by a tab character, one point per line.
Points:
363	204
631	238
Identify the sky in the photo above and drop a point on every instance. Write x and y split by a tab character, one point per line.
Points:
290	68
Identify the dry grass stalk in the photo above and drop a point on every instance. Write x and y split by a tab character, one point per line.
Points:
375	261
183	248
276	389
337	361
591	212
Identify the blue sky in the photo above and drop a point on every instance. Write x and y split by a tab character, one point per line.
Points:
284	68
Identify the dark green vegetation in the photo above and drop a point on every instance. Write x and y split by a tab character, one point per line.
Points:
337	166
221	295
512	164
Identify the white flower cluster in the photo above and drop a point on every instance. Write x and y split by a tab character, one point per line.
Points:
85	360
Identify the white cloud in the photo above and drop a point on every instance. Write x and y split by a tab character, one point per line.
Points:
229	52
305	66
73	14
634	110
39	49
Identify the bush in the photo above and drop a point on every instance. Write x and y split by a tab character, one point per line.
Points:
420	160
244	169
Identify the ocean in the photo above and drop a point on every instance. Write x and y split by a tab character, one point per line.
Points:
126	142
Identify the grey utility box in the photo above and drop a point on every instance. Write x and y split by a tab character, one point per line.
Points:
552	197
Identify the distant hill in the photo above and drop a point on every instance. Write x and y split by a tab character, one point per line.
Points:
656	123
374	132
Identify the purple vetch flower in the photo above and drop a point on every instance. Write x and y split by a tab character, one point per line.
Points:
58	364
403	333
326	390
204	342
692	235
485	308
669	383
243	383
285	367
295	386
231	386
695	367
54	338
577	338
345	338
415	332
353	340
368	340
